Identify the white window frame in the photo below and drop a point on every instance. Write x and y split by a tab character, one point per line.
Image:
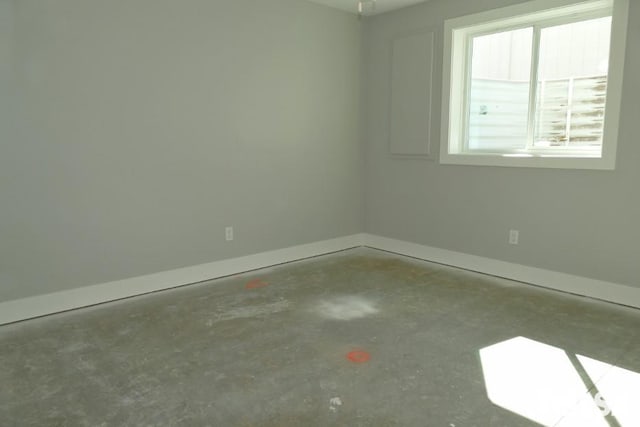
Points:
456	75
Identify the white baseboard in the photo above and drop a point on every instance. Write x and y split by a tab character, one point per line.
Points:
41	305
598	289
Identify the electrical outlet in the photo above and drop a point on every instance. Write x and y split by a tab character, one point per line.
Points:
228	233
514	237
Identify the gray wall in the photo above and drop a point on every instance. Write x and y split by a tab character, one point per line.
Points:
573	221
133	132
145	127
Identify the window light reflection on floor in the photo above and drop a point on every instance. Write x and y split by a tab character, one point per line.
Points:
554	388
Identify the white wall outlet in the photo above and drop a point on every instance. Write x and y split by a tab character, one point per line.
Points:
228	233
514	237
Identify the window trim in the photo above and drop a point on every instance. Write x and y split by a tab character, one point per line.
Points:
455	76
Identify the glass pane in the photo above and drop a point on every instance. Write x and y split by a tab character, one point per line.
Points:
572	84
499	95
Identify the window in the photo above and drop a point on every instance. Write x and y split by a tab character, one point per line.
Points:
536	85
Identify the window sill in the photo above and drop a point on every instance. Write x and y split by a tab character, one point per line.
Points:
529	161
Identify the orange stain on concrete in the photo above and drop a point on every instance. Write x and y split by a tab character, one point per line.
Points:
256	284
358	356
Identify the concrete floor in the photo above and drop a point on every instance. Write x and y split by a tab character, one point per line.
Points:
270	348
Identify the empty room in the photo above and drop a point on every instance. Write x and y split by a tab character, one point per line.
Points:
319	213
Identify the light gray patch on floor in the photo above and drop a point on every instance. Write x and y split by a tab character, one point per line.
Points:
346	308
249	311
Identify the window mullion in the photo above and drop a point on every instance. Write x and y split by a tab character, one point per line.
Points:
533	87
467	92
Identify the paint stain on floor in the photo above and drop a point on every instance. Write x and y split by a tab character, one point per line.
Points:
334	403
256	284
358	356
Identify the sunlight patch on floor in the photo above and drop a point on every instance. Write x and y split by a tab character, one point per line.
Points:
555	388
532	379
617	395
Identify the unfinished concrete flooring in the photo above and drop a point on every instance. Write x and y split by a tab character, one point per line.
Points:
358	338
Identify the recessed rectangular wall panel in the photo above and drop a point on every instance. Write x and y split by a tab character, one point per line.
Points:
411	87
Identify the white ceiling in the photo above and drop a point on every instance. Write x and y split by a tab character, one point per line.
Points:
382	6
